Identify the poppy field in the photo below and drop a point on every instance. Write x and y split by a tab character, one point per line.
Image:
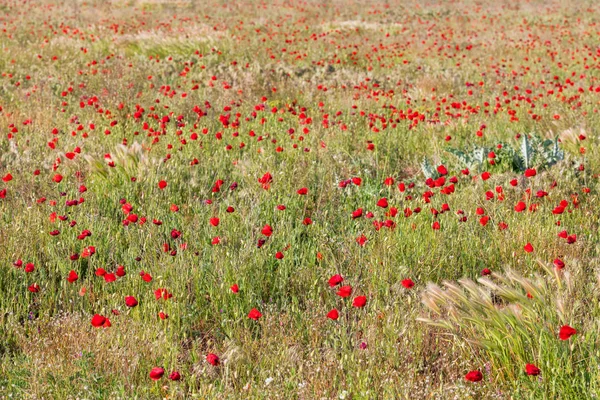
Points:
339	199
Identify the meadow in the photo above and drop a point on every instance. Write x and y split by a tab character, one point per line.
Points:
337	199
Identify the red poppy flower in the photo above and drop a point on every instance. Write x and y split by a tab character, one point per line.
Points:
72	276
333	314
34	288
357	213
532	370
267	230
528	248
473	376
335	280
361	240
266	180
359	301
383	203
162	184
98	321
566	332
558	210
175	376
156	373
162	293
131	301
235	288
88	251
558	263
530	172
213	359
408	283
302	191
254	314
345	291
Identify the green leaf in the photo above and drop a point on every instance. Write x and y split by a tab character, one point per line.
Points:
463	157
479	155
428	169
527	152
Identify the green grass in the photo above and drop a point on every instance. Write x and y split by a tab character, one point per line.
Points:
383	67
